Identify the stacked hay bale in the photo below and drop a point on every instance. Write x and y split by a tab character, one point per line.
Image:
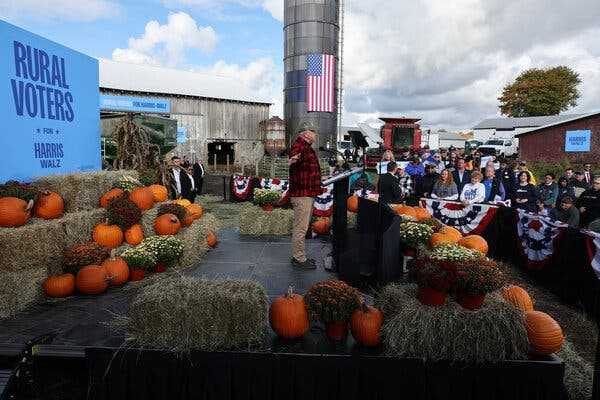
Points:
255	221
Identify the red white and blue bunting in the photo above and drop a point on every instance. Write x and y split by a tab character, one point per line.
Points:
469	219
323	206
364	193
593	246
538	236
242	187
281	185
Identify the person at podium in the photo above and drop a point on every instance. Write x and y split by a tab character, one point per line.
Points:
388	186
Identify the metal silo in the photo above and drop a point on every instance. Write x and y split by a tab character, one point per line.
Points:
310	27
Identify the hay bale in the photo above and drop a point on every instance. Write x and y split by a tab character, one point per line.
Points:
148	219
494	333
183	314
194	240
579	374
38	244
18	290
78	227
82	191
256	222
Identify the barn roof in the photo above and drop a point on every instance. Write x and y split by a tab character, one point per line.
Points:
573	118
159	80
523	122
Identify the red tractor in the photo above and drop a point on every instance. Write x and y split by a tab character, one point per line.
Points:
400	135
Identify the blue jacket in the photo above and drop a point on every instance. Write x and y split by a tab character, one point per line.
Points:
413	170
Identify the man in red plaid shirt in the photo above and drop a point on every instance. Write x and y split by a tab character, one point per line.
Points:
305	185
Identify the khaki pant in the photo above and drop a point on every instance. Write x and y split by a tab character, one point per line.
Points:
303	207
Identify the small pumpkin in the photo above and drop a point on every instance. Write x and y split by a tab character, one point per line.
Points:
91	280
474	242
167	224
188	220
451	232
439	238
159	193
544	333
518	297
196	210
365	325
182	202
288	316
59	285
211	239
108	196
137	275
352	203
401	209
142	197
321	226
117	270
110	236
134	235
421	213
49	205
14	212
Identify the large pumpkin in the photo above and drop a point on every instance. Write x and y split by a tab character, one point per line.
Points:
117	270
405	210
183	202
196	210
110	236
167	224
451	232
142	197
49	205
421	213
211	239
518	297
159	193
474	242
59	285
439	238
91	280
134	235
544	333
352	203
14	212
288	316
108	196
321	226
365	325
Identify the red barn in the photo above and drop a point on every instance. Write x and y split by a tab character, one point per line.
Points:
576	140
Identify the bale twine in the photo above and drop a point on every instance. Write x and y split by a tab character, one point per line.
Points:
183	314
256	222
494	333
20	289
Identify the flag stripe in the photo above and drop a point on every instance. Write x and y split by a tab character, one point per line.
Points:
320	75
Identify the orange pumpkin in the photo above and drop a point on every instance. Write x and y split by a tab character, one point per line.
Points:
117	270
110	236
49	205
59	285
421	213
196	210
405	210
352	203
134	235
474	242
365	325
451	232
211	239
167	224
159	193
321	226
183	202
544	333
288	316
91	280
439	238
108	196
142	197
518	297
188	220
14	212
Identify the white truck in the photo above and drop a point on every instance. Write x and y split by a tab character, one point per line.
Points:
500	147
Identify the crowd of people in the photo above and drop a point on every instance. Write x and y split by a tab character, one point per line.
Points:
573	198
184	178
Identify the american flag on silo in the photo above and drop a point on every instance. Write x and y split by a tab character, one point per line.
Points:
320	82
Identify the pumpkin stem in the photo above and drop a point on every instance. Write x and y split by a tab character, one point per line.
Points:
290	292
29	205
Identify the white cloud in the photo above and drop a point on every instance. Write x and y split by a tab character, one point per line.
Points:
67	10
167	44
273	7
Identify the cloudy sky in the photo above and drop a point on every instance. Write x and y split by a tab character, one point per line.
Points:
443	61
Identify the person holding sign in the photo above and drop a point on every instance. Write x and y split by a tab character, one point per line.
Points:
473	192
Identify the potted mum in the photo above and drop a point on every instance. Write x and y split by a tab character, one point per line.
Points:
435	279
166	250
454	253
476	278
414	235
333	302
139	260
265	198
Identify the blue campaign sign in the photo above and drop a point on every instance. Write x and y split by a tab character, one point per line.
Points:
578	141
181	134
135	104
49	107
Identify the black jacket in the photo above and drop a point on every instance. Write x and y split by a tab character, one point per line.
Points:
389	189
495	190
187	192
461	184
590	200
508	181
424	184
529	193
198	172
